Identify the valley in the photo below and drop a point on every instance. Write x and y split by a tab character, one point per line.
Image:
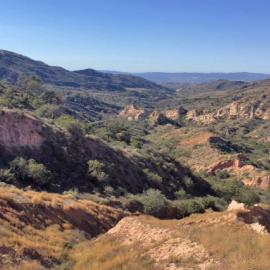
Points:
113	172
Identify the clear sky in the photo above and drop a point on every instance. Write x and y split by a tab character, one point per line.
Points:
140	35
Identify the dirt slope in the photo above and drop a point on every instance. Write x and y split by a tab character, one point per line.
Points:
38	230
212	240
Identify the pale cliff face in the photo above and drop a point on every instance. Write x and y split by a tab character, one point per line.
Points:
132	113
18	130
245	108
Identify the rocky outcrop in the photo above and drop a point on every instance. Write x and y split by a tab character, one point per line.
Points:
176	114
157	118
154	117
134	113
262	182
228	164
250	107
20	130
234	205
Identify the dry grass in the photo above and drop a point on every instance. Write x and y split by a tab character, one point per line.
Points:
229	241
109	254
39	230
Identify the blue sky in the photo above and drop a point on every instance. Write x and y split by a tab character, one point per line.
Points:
141	35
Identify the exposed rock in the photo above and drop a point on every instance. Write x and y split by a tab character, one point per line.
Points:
251	107
20	130
175	114
262	182
257	227
228	164
157	118
132	112
234	205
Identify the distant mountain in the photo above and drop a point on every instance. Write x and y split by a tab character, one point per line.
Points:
13	65
163	77
206	87
124	79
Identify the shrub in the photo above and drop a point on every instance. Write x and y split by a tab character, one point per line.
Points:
181	194
19	166
30	170
136	143
70	124
96	169
188	182
153	177
49	111
153	202
38	172
7	176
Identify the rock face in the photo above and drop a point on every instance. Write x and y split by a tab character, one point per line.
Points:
19	130
262	182
175	114
134	113
234	205
251	107
228	164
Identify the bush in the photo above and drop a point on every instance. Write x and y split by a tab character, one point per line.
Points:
7	176
234	189
96	169
19	166
49	111
70	124
153	202
153	177
38	172
30	170
181	194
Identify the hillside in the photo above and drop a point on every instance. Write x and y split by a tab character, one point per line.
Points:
38	230
13	65
207	241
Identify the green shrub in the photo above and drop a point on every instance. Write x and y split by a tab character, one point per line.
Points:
7	176
51	111
153	202
30	170
152	177
70	124
96	169
19	166
181	194
38	172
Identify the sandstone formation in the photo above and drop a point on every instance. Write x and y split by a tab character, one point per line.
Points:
251	107
134	113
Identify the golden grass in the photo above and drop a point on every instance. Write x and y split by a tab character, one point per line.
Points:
49	225
108	254
232	243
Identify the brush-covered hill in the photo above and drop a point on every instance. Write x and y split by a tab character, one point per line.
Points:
13	65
